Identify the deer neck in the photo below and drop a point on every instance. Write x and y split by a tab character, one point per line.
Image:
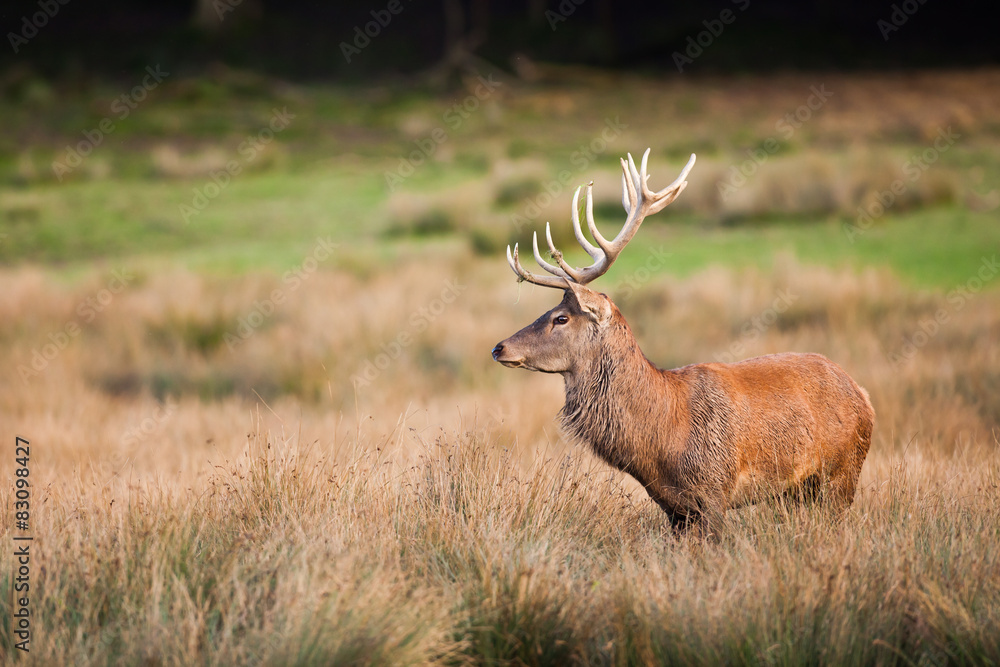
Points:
612	396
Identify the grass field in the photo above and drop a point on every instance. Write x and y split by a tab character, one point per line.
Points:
272	433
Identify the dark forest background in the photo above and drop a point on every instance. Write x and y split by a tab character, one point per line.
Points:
304	40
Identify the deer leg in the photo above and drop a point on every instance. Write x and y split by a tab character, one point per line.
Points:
704	519
680	521
712	520
807	492
838	493
690	510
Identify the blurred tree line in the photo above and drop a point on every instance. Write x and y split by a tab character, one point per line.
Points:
397	39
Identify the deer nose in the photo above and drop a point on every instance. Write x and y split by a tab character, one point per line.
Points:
497	351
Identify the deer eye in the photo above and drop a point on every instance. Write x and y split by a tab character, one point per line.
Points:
562	319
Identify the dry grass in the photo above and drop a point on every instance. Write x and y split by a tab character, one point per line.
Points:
434	514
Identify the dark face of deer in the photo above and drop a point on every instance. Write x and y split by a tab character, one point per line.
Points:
563	339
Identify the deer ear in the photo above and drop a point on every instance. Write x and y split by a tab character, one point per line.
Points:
596	305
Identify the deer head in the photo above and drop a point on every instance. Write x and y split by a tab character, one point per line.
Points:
572	334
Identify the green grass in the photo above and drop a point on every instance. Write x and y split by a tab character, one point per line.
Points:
933	248
258	220
269	220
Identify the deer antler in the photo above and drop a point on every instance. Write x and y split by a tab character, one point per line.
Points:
638	200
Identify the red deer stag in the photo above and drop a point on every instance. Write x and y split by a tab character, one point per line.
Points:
703	438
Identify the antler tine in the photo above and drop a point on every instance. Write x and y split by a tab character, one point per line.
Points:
638	201
567	269
554	270
628	188
594	231
625	202
649	202
644	177
680	179
591	249
662	198
634	174
522	274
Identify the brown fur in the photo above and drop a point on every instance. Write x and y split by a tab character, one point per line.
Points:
707	437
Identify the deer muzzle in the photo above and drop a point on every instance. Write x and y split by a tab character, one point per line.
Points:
502	355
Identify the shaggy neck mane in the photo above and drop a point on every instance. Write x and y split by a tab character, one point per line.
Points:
611	395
